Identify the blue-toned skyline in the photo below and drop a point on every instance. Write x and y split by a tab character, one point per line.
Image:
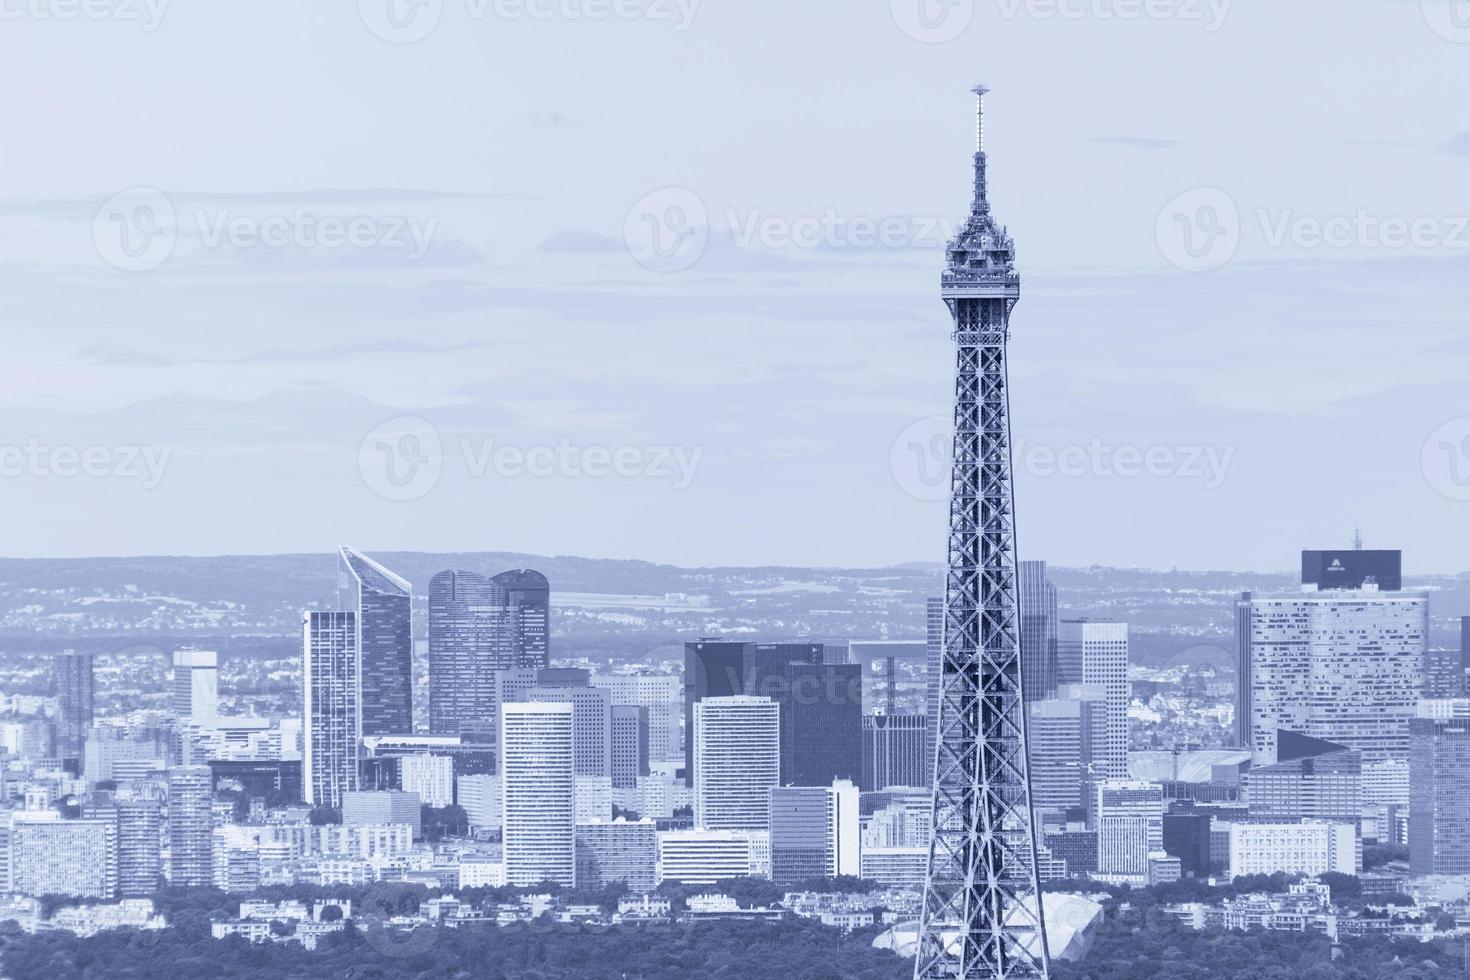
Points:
244	252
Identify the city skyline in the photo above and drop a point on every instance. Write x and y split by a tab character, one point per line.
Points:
528	322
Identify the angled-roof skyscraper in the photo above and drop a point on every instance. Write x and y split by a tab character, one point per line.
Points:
383	603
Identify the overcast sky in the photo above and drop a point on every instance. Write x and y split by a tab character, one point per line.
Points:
659	280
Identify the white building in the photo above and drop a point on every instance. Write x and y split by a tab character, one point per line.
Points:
478	872
538	793
703	857
430	776
1311	847
196	684
1130	826
332	715
479	795
1342	665
1097	654
737	748
594	798
76	858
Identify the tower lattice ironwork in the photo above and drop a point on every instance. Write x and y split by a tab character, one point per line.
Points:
982	913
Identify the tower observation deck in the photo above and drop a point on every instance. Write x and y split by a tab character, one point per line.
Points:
982	913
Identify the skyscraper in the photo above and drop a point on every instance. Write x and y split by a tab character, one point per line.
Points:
814	832
1066	736
629	745
1439	786
190	826
591	725
737	744
1038	601
1096	654
933	674
332	723
982	913
196	684
717	669
538	790
894	752
821	723
1340	665
75	692
663	696
1130	826
478	626
383	603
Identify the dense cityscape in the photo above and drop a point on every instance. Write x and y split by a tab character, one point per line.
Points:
742	780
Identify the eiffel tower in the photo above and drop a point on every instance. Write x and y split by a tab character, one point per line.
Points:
982	914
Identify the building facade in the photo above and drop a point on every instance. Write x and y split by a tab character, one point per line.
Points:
894	750
538	793
1439	793
737	751
383	603
332	728
190	826
1096	654
815	832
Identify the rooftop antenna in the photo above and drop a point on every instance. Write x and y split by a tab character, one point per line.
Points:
1357	539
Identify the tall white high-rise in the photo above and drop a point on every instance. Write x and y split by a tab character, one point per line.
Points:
538	793
333	707
190	826
196	684
1097	654
1343	665
737	748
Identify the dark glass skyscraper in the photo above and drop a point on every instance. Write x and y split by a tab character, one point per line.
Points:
384	606
1038	599
478	626
821	724
74	691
